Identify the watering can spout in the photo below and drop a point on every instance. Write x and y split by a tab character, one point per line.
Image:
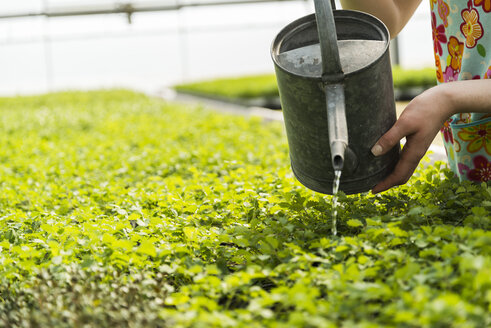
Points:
337	126
338	149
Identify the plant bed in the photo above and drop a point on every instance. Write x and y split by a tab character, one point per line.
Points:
262	90
250	91
408	83
119	210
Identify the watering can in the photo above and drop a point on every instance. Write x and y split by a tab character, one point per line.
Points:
335	82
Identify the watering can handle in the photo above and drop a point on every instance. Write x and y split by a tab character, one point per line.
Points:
326	28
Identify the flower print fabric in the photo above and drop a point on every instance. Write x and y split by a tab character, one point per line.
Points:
477	136
462	45
471	28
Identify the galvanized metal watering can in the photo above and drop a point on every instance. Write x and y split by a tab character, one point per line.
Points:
334	77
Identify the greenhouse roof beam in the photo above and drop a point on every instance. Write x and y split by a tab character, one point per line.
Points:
126	8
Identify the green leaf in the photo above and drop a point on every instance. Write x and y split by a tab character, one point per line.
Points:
449	251
342	248
148	248
481	50
354	223
191	233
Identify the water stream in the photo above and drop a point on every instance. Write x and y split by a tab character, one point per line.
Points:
335	189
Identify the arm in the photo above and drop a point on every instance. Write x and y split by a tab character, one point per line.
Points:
394	13
421	120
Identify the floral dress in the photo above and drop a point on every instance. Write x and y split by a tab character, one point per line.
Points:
462	44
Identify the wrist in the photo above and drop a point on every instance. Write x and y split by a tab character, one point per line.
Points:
441	99
450	99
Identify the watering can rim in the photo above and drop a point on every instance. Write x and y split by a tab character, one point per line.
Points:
310	18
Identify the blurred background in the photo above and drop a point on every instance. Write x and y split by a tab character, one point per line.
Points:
51	45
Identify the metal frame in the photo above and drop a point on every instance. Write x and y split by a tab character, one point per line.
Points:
126	8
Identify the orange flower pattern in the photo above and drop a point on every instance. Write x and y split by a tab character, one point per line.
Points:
439	73
486	4
455	50
432	4
462	49
487	75
471	28
443	11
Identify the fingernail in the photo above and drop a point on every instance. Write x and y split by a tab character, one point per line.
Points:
377	150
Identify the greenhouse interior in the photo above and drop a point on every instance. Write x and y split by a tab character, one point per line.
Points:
214	163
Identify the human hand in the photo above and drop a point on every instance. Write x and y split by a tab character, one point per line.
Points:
419	123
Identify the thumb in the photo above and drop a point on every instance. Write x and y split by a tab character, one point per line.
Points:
389	140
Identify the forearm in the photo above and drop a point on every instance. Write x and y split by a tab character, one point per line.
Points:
436	105
469	96
394	13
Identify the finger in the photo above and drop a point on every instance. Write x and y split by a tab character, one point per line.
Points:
404	169
391	138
